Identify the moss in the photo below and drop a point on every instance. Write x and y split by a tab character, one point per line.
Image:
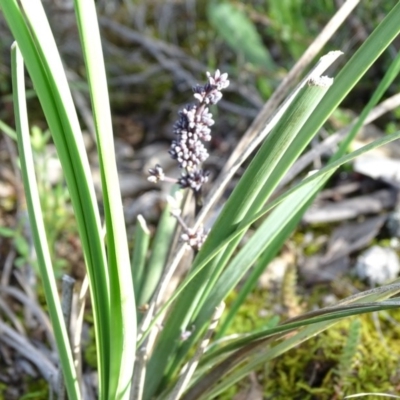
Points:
3	389
37	389
351	357
90	351
310	371
248	318
311	247
30	388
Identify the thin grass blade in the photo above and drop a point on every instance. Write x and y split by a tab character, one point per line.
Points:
139	255
160	250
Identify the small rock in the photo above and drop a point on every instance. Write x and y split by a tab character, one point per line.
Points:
378	265
272	277
393	223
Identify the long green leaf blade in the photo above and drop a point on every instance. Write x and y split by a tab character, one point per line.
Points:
122	300
37	225
45	69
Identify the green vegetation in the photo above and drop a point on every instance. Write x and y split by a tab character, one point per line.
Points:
137	333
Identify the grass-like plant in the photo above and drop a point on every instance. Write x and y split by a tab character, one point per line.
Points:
174	361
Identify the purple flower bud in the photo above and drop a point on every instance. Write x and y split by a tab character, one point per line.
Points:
156	174
218	80
194	239
192	128
194	180
189	153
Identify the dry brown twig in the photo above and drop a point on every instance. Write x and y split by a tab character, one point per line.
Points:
78	307
66	306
